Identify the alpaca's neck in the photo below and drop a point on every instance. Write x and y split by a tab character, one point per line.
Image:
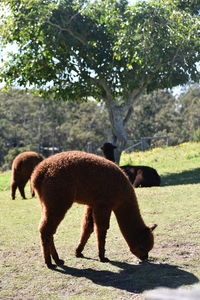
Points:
109	155
130	221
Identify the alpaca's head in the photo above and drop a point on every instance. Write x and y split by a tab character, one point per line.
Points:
108	147
144	243
108	151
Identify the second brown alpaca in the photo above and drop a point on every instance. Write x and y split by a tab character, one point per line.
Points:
143	176
22	168
102	186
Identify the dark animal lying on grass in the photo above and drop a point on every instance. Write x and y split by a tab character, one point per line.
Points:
138	175
103	187
22	168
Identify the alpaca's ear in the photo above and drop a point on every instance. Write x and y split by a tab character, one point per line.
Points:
153	227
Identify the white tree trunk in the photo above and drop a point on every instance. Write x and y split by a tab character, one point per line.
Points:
119	134
119	111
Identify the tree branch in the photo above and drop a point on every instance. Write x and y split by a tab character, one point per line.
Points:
128	115
68	30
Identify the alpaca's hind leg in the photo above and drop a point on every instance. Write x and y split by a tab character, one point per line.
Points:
47	228
101	217
138	179
46	241
13	190
54	254
21	187
87	229
32	191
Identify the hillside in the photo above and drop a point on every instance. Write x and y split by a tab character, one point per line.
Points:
176	165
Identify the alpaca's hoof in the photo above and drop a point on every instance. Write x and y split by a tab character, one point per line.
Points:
60	262
51	266
79	255
104	259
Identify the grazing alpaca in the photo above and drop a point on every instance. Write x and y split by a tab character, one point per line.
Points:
138	175
70	177
22	168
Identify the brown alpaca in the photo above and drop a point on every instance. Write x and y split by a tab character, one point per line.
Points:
88	179
22	168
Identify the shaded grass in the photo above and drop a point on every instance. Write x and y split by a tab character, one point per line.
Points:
184	177
174	261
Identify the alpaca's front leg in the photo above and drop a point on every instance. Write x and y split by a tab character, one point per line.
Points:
101	240
101	215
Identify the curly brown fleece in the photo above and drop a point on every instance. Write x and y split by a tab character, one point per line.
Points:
22	168
102	186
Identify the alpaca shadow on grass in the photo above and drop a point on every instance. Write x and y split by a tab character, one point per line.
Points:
185	177
135	278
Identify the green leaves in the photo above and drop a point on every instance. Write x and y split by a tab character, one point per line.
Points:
72	45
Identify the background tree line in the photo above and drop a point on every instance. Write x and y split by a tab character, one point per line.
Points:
108	50
49	126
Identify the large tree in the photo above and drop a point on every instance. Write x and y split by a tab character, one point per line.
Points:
105	49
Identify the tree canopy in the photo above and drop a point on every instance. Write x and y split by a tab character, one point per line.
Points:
105	49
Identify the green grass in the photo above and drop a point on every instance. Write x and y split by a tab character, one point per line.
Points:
177	165
174	260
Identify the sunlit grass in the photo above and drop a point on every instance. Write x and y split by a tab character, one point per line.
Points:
174	259
166	160
5	181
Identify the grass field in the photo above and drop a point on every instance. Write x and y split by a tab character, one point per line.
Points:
174	260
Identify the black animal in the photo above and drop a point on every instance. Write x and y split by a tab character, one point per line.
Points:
108	151
142	176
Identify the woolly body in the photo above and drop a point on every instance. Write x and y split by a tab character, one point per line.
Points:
22	168
103	187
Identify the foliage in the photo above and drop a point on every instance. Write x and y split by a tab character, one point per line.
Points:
190	108
106	49
12	153
156	115
161	114
196	135
73	42
49	126
30	123
174	260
